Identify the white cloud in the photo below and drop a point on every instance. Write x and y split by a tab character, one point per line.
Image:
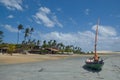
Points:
73	21
107	40
10	16
12	4
45	10
26	6
87	11
90	23
10	28
56	21
105	31
117	15
46	17
82	39
59	9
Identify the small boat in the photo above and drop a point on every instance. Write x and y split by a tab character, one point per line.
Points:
96	65
95	62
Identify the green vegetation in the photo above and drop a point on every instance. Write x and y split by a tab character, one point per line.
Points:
20	27
11	49
29	44
1	37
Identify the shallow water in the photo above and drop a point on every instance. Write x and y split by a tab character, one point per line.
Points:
65	69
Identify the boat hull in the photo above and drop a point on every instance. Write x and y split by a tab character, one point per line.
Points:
95	65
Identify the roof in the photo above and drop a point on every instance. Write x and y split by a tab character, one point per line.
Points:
52	49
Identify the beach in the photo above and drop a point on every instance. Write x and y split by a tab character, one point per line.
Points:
70	68
21	58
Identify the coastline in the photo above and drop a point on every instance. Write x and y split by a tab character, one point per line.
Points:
21	58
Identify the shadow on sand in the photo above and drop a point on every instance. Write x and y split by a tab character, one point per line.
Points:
90	69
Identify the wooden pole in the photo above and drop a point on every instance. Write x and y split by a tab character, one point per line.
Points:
96	38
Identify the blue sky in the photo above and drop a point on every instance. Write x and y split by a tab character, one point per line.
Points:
68	21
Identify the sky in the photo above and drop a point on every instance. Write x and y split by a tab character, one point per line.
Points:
72	22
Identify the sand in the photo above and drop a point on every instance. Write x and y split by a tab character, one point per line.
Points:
21	58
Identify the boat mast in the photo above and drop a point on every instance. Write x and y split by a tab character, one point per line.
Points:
96	37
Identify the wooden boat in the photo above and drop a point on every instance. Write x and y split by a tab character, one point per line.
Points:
96	65
95	62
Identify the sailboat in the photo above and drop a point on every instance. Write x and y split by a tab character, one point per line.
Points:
95	62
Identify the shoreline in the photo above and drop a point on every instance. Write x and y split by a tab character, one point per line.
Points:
21	58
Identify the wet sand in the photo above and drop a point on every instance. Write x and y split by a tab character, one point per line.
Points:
62	69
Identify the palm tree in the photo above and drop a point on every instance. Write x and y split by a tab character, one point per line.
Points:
27	32
38	43
44	44
31	31
1	36
60	45
34	41
20	27
54	43
23	42
50	43
77	50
